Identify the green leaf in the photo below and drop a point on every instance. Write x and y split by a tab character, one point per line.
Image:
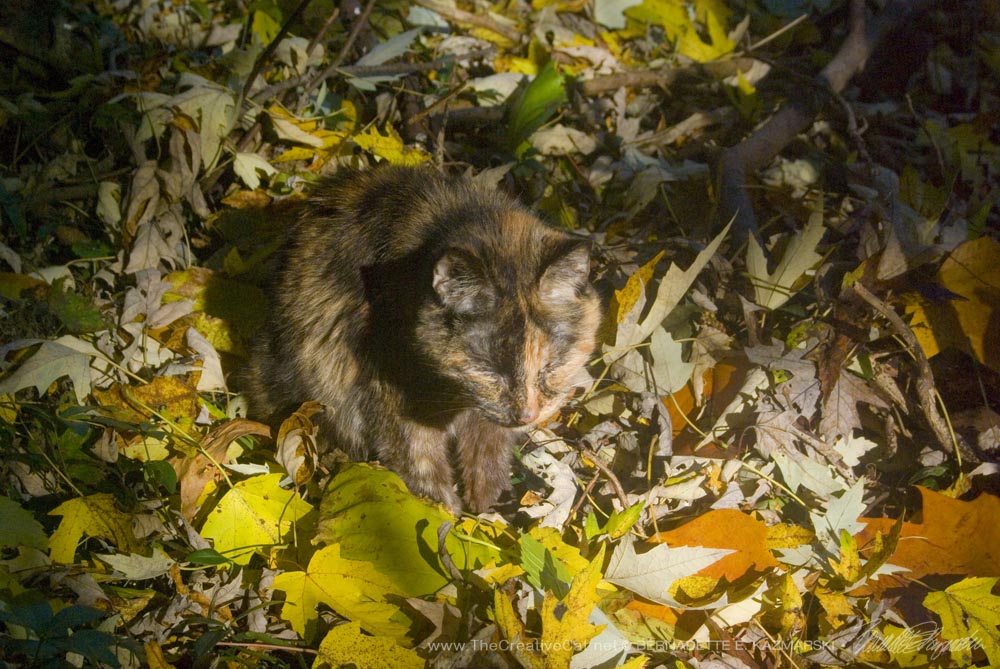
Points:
544	570
19	528
372	516
207	556
621	522
534	107
77	313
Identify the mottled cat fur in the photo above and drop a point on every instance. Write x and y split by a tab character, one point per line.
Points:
433	317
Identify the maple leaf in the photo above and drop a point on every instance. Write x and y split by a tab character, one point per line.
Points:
744	535
773	289
652	574
565	621
345	645
66	356
252	514
92	516
354	589
953	537
970	613
971	274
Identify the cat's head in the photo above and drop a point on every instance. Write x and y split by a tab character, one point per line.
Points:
513	320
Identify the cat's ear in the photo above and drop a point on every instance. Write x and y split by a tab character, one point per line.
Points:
566	274
460	283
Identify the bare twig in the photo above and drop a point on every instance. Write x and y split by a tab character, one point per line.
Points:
580	501
270	48
468	18
926	393
356	29
663	78
321	33
609	475
758	149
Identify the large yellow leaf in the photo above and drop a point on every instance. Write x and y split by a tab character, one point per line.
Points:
565	626
170	396
370	514
345	645
253	513
352	588
227	312
93	516
970	613
677	24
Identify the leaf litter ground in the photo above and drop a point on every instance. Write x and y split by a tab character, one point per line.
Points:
787	455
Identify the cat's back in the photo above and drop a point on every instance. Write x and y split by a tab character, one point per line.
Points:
386	213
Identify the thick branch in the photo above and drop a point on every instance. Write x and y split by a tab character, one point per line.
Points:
762	146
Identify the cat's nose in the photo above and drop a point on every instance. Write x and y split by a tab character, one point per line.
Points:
527	414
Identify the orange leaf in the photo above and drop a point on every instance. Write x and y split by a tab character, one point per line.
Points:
954	537
726	528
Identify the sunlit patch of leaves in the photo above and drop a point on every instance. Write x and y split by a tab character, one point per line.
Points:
738	485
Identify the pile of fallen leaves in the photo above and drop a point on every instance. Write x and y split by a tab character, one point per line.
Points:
787	454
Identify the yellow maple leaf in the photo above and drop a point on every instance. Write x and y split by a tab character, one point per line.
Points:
565	626
254	513
837	605
514	631
678	26
970	613
783	606
345	645
93	516
227	312
390	146
352	588
171	396
848	567
565	622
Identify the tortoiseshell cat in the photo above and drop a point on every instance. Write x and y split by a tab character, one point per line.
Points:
433	318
